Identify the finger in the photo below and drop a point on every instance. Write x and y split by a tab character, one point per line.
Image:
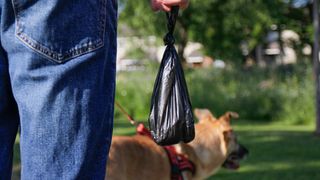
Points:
165	8
182	3
158	5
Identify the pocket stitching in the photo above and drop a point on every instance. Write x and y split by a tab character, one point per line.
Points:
69	54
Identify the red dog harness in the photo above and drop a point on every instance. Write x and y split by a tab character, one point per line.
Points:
178	162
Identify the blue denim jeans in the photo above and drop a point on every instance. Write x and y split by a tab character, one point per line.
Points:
57	82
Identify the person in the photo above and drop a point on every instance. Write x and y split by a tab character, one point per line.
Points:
57	70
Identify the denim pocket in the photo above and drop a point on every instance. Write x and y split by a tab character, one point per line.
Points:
61	29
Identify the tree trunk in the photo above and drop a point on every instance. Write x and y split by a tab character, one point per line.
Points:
316	62
282	53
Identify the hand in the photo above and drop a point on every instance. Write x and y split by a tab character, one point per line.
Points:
165	5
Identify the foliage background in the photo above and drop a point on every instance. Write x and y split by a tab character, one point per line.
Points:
284	94
222	25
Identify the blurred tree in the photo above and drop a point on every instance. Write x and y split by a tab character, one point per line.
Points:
313	10
223	25
143	21
316	63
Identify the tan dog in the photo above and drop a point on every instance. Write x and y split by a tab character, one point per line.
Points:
140	158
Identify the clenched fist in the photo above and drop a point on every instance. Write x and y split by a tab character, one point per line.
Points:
165	5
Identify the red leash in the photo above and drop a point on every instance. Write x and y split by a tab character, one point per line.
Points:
131	120
140	128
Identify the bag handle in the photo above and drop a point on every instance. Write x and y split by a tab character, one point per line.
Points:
172	18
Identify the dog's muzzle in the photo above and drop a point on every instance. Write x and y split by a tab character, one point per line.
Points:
233	160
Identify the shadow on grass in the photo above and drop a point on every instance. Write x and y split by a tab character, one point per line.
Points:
272	174
275	153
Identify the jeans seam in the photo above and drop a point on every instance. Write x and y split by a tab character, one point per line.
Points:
69	54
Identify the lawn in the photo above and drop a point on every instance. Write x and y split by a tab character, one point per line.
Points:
276	152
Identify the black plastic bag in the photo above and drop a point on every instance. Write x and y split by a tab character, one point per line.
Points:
171	119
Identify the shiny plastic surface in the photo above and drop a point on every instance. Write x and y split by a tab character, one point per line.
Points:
171	119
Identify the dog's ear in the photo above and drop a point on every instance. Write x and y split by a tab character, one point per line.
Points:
203	114
228	116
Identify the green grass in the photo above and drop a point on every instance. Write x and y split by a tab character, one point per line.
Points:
16	161
277	151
